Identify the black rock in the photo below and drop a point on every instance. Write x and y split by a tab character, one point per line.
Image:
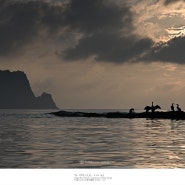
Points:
176	115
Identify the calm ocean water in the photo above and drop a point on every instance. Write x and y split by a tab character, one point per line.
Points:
33	139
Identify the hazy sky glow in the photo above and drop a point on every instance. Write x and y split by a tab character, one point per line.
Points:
100	53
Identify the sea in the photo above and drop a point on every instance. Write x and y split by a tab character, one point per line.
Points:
37	139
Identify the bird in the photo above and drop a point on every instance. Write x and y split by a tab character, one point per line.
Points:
147	108
178	108
152	108
172	107
131	110
157	107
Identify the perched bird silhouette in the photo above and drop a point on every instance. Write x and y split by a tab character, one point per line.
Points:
152	108
172	107
157	107
178	108
131	110
147	108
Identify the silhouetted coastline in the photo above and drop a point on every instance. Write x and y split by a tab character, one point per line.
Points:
16	93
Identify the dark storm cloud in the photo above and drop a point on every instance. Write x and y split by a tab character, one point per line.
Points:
107	30
173	51
21	21
110	44
167	2
97	15
108	47
105	27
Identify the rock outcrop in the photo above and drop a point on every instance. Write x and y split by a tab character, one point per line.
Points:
173	115
16	93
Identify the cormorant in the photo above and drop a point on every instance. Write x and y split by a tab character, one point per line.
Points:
178	108
172	107
152	108
131	110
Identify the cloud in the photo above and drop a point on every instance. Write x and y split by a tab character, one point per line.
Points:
108	47
101	29
96	16
22	22
107	32
167	2
171	51
16	26
105	28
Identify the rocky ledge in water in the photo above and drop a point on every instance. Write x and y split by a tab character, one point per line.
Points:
177	115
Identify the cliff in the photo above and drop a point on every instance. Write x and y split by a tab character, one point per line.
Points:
16	93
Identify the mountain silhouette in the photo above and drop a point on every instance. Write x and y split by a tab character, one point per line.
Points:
16	93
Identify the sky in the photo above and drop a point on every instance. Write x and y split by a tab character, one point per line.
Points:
107	54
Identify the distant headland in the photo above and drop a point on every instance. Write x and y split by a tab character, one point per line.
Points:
16	93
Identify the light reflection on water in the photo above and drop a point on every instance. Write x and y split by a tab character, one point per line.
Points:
31	139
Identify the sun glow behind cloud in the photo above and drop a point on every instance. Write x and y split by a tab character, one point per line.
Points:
176	32
155	20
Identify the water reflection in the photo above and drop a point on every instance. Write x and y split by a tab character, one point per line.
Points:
35	140
176	123
154	123
14	137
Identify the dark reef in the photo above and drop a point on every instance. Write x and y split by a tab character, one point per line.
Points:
16	93
151	115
